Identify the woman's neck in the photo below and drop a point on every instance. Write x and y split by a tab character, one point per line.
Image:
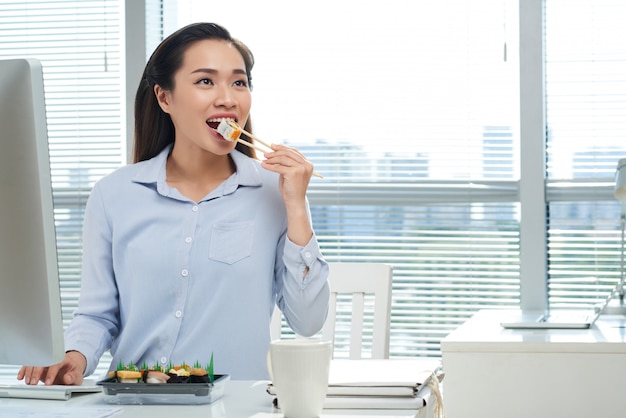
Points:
196	174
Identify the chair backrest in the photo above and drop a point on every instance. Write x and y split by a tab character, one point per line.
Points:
356	280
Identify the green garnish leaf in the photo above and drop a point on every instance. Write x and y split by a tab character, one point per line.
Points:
210	370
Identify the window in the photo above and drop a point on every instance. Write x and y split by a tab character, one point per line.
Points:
586	108
79	44
411	113
441	199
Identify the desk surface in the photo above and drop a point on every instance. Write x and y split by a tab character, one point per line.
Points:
483	333
241	399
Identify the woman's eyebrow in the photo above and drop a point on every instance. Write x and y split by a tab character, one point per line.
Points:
212	71
204	70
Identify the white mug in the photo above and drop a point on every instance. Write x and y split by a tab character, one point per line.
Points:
299	371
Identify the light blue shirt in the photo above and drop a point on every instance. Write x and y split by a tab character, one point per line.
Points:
168	280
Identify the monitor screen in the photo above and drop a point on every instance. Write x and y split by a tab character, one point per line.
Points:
31	327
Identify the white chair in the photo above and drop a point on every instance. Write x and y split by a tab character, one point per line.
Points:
358	281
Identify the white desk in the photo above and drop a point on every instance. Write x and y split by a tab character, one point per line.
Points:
493	372
241	399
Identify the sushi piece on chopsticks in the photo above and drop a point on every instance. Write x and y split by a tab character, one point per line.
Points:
232	132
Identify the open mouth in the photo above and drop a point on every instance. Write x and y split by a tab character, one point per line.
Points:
213	123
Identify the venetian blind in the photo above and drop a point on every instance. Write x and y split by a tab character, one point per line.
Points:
586	126
410	113
79	44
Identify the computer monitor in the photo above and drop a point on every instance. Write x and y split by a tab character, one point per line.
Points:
31	327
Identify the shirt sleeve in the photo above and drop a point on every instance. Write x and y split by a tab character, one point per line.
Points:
304	294
95	321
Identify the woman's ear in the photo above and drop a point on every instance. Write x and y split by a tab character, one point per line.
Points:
162	97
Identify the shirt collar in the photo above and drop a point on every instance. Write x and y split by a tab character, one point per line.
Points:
247	173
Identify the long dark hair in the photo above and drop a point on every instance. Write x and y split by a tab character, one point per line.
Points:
154	129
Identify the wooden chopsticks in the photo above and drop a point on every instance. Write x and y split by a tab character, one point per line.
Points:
233	125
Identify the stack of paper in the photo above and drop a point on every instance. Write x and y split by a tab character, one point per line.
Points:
379	384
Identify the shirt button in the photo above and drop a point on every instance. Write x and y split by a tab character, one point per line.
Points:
188	240
195	208
163	360
178	314
307	254
184	272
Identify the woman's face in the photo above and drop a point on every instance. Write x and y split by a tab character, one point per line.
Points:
210	85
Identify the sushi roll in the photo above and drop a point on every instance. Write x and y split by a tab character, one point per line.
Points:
229	132
198	375
178	374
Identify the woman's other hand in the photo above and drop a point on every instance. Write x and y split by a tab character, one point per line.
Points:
67	372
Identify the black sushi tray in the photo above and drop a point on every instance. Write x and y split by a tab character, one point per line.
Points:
163	393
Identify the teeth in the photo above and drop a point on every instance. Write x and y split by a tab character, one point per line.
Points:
218	120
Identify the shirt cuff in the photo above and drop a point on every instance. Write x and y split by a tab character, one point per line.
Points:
83	346
305	256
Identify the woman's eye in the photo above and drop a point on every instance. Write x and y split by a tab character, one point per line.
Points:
241	83
205	81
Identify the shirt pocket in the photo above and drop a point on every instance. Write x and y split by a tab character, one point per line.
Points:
231	241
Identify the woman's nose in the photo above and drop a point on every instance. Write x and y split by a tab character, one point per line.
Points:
225	97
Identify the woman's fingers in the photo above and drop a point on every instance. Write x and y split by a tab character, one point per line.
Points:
283	156
32	375
67	372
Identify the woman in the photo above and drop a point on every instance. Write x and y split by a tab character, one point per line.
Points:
187	251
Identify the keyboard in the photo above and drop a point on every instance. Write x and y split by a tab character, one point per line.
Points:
40	391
